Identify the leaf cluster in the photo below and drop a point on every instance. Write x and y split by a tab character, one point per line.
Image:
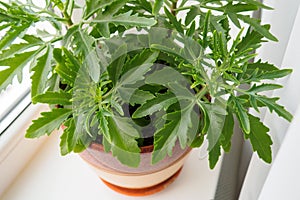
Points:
106	82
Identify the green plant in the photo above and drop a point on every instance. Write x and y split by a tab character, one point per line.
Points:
181	75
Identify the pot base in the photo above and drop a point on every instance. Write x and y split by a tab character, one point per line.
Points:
143	191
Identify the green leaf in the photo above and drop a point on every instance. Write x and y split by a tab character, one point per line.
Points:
275	74
67	65
252	40
261	142
263	87
134	96
213	155
138	68
85	44
273	106
242	115
239	7
48	122
191	15
233	17
177	128
117	64
256	3
58	3
126	19
41	71
145	57
103	125
13	49
93	6
255	23
123	145
217	115
55	98
205	28
15	67
64	143
174	21
227	132
158	4
12	34
162	101
164	77
140	97
190	32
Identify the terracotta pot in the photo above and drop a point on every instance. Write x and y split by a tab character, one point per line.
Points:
143	180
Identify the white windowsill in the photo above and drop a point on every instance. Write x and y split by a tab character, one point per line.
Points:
51	176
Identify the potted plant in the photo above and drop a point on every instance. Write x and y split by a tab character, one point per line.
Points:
135	86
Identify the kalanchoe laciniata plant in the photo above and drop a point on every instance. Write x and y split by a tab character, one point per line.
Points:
124	69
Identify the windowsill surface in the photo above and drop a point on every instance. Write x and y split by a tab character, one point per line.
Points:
51	176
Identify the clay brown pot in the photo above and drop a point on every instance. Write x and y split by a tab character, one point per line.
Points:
143	180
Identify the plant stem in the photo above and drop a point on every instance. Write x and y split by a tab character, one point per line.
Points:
173	7
202	92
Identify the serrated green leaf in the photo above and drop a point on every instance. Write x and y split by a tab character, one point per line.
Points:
55	98
261	142
15	67
48	122
117	107
140	97
273	106
275	74
67	65
145	57
123	146
239	7
20	47
12	34
64	143
69	130
252	40
242	116
103	126
263	87
41	71
162	101
126	19
93	6
138	68
217	116
255	23
177	128
158	4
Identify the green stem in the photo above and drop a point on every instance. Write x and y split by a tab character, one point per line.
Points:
173	8
202	92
